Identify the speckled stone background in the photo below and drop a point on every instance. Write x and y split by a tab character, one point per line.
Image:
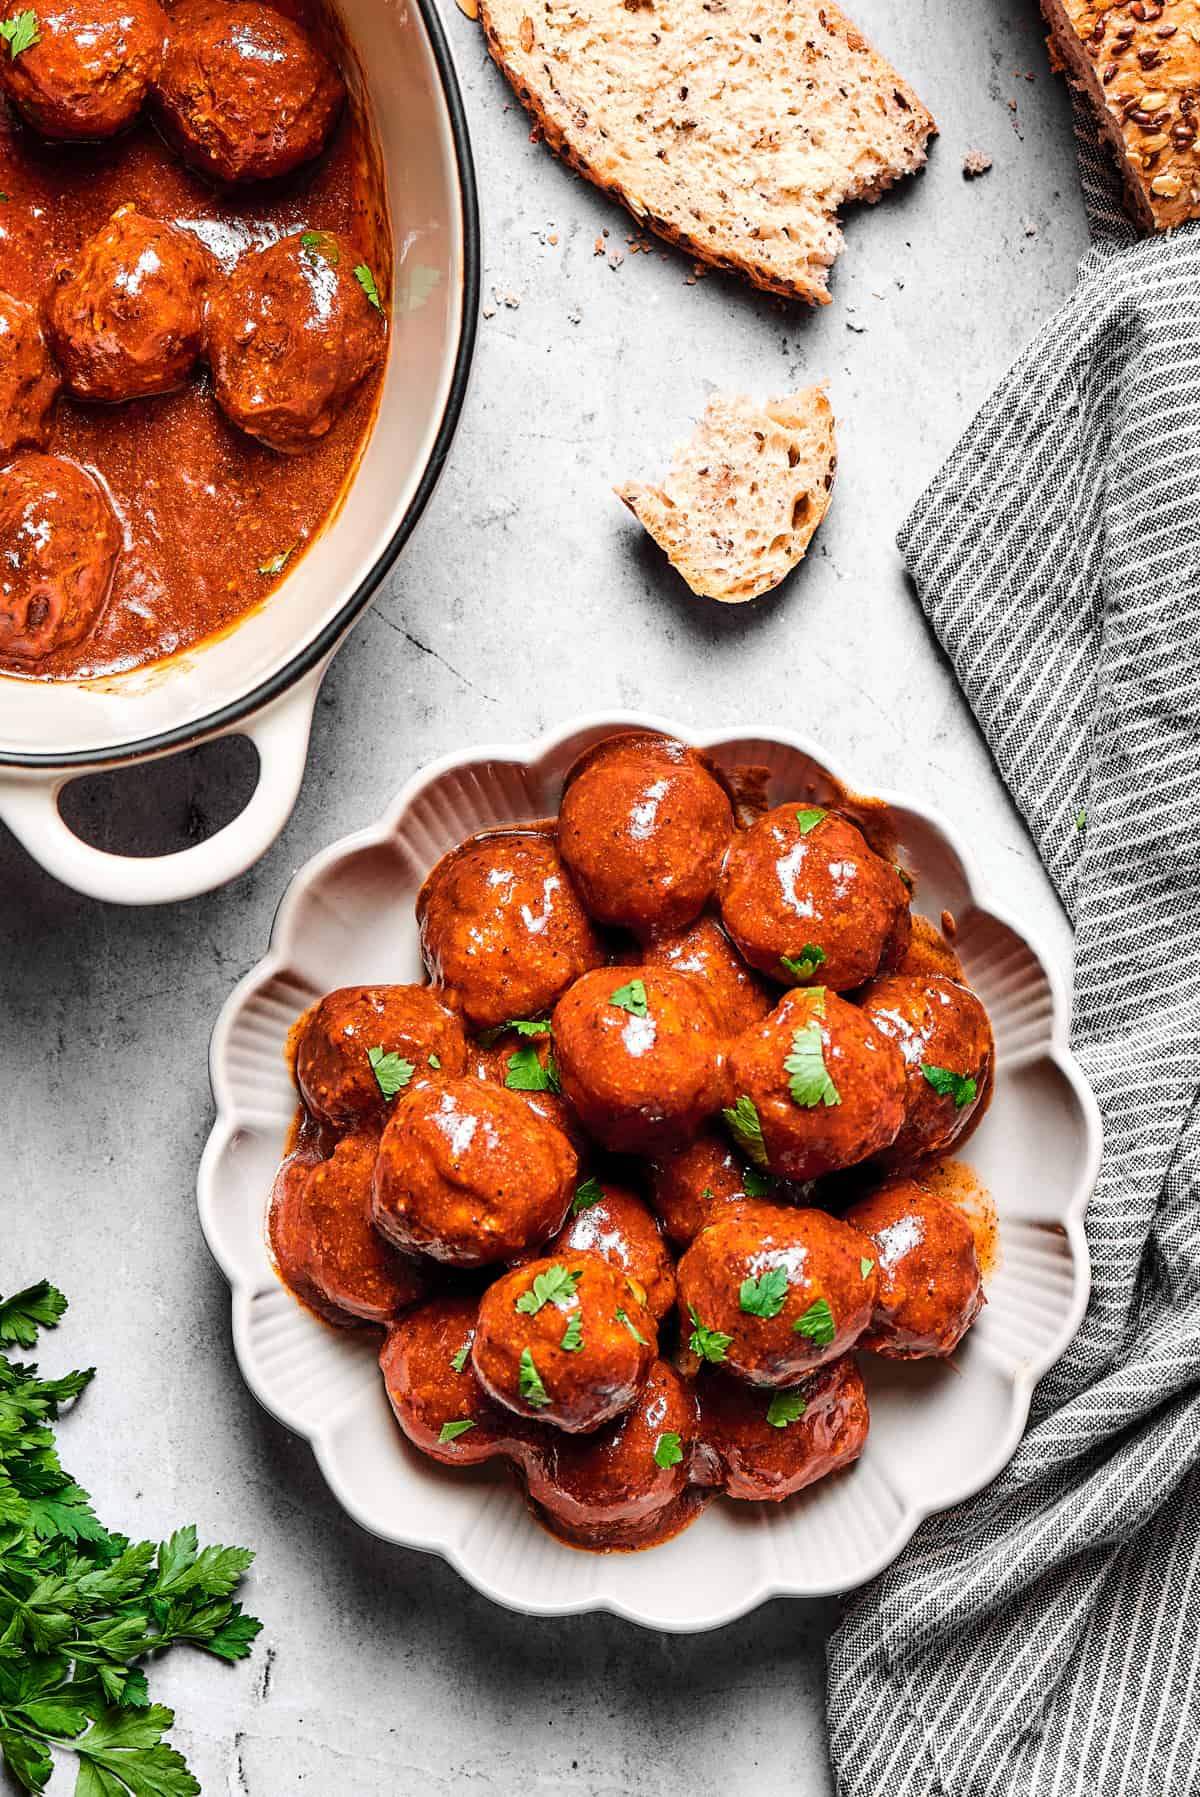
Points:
526	595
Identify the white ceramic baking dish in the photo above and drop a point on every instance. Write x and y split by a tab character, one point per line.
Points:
939	1430
261	679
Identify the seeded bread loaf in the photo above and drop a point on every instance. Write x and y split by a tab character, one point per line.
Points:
735	128
1138	61
744	495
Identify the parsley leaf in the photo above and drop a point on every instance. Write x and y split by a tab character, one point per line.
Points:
817	1323
958	1086
275	564
1081	820
524	1027
587	1193
805	964
808	820
530	1382
623	1316
572	1339
435	1061
864	1266
764	1296
366	280
20	33
527	1074
323	244
746	1129
458	1361
550	1287
452	1431
785	1407
21	1316
809	1082
754	1183
668	1449
710	1344
631	998
392	1072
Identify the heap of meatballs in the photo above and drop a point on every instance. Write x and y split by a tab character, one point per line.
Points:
243	94
651	1033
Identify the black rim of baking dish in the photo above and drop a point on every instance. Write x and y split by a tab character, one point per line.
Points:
307	657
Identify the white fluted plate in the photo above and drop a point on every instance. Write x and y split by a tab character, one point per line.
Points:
939	1430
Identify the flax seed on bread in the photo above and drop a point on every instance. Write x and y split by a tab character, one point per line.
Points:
1138	62
744	495
734	128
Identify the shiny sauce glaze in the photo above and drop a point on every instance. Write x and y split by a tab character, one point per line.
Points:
204	508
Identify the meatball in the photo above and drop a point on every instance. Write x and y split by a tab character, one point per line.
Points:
817	1087
433	1391
88	72
291	335
643	827
770	1293
943	1033
929	1286
127	319
703	950
468	1174
639	1056
757	1448
244	93
627	1485
566	1341
361	1045
330	1240
503	929
806	899
526	1065
691	1188
59	542
609	1221
29	381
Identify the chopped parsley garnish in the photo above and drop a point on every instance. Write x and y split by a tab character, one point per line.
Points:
435	1062
809	1082
530	1382
588	1192
392	1072
458	1361
742	1119
22	1315
572	1339
631	998
754	1183
764	1296
865	1266
958	1086
452	1431
20	33
710	1344
817	1323
525	1026
366	280
785	1407
527	1074
275	564
323	244
624	1317
668	1449
550	1287
805	964
1081	820
808	820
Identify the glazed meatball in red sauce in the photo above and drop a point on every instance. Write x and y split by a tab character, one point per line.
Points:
59	543
566	1340
362	1045
738	996
469	1175
816	1087
689	1189
643	826
809	902
639	1056
502	927
29	381
126	318
614	1223
929	1285
291	337
433	1391
761	1446
88	72
943	1032
244	93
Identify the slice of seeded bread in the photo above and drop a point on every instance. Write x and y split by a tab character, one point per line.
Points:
744	495
735	128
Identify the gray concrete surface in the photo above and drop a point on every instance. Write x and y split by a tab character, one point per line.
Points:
526	595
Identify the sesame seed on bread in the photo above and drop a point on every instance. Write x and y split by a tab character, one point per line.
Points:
734	128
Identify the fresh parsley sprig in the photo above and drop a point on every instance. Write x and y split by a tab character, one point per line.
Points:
526	1073
709	1344
555	1286
948	1084
746	1129
20	33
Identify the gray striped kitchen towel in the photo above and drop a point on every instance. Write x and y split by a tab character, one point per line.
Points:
1045	1636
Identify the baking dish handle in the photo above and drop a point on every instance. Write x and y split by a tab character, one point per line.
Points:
29	806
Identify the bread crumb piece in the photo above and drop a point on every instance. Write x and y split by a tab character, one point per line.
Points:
489	311
553	238
1029	228
511	300
598	247
574	315
975	163
616	259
